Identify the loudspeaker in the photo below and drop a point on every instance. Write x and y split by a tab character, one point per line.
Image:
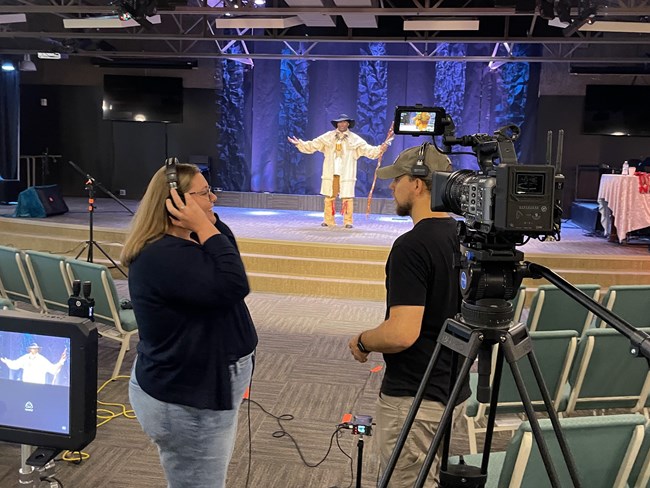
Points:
40	201
51	199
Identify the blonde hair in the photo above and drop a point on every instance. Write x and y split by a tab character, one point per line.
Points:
151	220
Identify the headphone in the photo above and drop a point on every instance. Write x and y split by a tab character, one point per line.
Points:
170	172
421	170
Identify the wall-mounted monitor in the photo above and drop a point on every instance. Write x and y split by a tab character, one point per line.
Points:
48	380
616	110
143	98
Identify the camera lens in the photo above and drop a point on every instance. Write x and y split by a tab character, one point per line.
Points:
451	197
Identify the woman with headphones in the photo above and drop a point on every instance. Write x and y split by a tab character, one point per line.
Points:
197	339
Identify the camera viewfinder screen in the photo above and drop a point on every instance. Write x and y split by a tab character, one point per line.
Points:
414	122
35	382
530	183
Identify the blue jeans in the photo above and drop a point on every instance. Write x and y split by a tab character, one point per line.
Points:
195	445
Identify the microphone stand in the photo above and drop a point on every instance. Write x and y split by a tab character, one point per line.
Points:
91	183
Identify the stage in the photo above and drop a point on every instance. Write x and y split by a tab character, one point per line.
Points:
288	251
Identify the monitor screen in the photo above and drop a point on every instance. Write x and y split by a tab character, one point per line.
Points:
143	99
48	380
35	381
616	110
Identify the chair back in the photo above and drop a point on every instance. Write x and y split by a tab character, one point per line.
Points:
14	279
606	375
640	474
51	284
552	309
555	351
629	302
604	449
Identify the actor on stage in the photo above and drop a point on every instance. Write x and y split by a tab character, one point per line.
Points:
341	149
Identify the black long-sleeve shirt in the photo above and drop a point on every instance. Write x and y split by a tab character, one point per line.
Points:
193	322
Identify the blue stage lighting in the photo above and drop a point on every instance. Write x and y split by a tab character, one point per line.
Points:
8	66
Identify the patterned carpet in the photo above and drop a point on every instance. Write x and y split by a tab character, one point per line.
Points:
304	369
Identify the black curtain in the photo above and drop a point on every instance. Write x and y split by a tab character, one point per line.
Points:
9	124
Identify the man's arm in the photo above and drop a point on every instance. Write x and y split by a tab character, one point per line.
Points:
395	334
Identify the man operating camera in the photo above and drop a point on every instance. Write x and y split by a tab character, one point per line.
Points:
422	291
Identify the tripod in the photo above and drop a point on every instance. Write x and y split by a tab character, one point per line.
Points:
91	183
484	322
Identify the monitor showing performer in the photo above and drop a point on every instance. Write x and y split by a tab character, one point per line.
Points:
35	381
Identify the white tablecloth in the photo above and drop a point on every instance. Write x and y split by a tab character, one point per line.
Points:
618	196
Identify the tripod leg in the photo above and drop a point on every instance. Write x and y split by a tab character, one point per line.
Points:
447	415
534	424
492	415
410	418
82	250
552	414
111	260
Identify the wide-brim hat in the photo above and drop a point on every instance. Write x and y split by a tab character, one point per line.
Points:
343	118
403	165
33	345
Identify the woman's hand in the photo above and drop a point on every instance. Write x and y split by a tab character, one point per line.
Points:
189	215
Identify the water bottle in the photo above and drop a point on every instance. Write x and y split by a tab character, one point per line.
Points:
626	168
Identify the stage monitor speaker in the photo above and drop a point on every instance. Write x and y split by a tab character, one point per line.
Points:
40	201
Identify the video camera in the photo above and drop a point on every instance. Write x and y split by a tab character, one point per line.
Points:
503	201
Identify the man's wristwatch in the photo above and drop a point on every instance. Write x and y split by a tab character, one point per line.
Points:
361	347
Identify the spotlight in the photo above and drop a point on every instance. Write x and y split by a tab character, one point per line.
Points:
585	17
8	66
27	64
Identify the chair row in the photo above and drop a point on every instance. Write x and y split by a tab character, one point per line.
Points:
552	309
595	372
45	281
609	452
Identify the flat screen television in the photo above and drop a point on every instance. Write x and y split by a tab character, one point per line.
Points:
143	98
616	110
48	380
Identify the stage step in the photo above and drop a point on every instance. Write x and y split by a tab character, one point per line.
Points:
316	269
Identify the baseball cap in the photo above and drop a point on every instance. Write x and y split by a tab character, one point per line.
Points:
433	159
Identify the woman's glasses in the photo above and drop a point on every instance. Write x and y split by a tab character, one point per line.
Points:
204	193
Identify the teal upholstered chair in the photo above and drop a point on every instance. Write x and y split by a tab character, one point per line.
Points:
14	279
605	375
604	449
640	475
554	351
629	302
51	284
552	309
119	324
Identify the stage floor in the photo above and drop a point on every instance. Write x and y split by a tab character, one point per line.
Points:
304	226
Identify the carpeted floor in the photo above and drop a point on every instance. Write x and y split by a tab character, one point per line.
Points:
304	369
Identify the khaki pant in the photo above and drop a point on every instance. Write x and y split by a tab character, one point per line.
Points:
347	205
390	415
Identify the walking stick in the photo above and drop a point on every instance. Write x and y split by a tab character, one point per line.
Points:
389	139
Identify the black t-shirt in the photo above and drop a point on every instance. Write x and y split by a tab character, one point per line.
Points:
420	271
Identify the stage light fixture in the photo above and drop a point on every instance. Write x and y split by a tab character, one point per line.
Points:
586	16
8	66
27	64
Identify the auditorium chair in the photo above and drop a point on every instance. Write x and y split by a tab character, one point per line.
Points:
554	351
604	449
629	302
14	279
640	475
605	375
552	309
51	285
118	324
